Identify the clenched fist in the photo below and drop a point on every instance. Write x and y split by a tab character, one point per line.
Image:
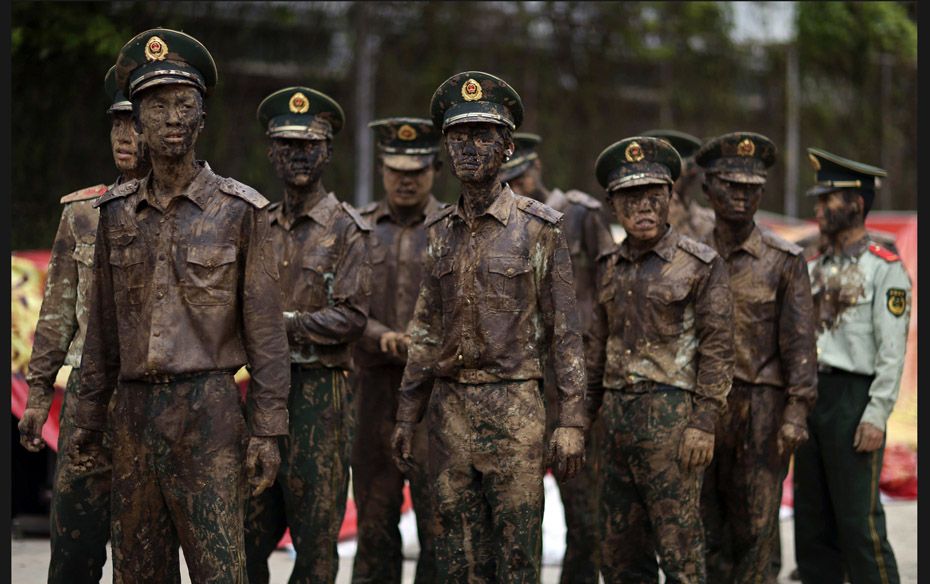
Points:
566	452
696	449
402	445
262	460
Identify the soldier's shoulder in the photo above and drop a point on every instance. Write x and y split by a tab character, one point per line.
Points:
118	192
701	251
608	250
883	253
84	194
369	208
581	198
231	186
438	215
778	242
537	209
355	215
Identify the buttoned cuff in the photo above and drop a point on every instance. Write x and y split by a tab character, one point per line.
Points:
704	419
572	414
90	415
269	423
795	413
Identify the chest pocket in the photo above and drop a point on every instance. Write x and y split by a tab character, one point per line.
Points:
509	283
444	271
127	264
319	271
211	274
755	303
667	305
855	301
378	253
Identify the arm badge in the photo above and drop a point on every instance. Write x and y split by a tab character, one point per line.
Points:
897	301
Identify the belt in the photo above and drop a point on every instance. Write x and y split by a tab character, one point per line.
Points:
172	377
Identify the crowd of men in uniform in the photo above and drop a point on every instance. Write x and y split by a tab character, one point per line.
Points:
466	348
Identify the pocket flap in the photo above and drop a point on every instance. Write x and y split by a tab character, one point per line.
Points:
126	256
378	254
509	266
211	256
668	293
319	261
444	266
84	254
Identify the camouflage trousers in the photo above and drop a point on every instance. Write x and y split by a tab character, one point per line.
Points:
649	504
179	478
80	510
486	464
309	495
741	495
378	484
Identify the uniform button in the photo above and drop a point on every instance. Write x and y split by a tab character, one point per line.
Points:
284	263
629	292
626	323
460	357
509	270
161	257
628	352
156	334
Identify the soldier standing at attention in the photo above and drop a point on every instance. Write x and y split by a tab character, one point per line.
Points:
80	510
660	367
408	162
183	297
498	292
862	308
587	234
321	259
775	375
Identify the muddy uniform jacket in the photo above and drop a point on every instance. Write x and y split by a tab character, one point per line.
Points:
185	290
495	295
664	317
330	291
773	332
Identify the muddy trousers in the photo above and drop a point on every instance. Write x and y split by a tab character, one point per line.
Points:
179	478
378	484
80	510
486	464
309	495
838	517
741	494
649	505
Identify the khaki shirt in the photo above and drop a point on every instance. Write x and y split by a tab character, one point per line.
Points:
182	290
773	332
664	317
322	257
862	299
498	292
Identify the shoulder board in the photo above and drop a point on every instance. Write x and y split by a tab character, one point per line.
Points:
437	215
84	194
273	206
541	210
127	188
584	199
883	253
702	252
231	186
353	212
369	208
780	243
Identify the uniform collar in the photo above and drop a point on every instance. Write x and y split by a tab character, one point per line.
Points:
499	209
752	244
853	250
664	248
322	212
197	191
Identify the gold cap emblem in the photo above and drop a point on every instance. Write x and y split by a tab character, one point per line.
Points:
471	90
299	104
634	152
746	147
406	133
814	162
156	49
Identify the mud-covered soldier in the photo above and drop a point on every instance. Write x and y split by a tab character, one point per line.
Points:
775	372
80	510
587	234
184	295
497	292
321	258
686	215
862	297
408	161
660	366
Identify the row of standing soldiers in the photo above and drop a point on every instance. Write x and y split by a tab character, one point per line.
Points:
465	348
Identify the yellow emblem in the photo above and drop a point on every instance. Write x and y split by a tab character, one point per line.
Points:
299	104
634	152
471	90
156	49
407	133
897	301
746	148
814	162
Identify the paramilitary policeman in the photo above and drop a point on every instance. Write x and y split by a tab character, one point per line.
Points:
660	366
80	510
587	235
862	298
498	292
321	265
775	375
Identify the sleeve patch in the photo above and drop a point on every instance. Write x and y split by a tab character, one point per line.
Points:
897	301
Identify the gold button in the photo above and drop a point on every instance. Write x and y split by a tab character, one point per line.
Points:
629	292
460	356
628	352
284	263
509	270
156	334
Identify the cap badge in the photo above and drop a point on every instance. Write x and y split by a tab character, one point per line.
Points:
156	49
634	152
746	147
471	90
299	104
814	162
406	133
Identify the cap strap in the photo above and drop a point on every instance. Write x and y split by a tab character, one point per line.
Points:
493	118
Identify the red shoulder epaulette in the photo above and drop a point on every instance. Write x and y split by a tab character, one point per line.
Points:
883	253
814	257
85	194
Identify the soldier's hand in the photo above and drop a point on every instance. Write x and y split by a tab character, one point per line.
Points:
30	429
868	438
790	436
566	451
394	343
696	449
86	450
402	445
262	460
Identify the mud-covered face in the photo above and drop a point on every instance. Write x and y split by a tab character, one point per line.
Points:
299	162
408	188
172	118
126	145
642	211
477	150
733	201
837	212
527	184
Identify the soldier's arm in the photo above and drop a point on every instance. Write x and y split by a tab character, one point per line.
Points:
797	342
595	359
713	318
57	317
890	327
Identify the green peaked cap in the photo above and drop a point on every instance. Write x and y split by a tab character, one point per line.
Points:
475	96
741	157
636	161
523	155
118	101
163	56
684	143
300	112
406	143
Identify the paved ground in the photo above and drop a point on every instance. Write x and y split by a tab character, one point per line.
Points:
29	561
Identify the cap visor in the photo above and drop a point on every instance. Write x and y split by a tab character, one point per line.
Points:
513	172
817	190
638	181
307	134
748	178
406	161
